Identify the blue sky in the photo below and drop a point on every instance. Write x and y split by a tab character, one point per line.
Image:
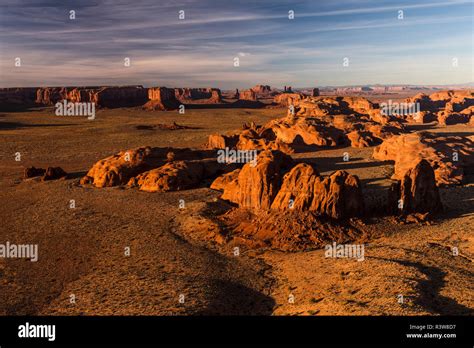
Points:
200	50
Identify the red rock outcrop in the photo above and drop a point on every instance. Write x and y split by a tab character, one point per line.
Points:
450	156
115	97
202	95
50	95
304	131
248	95
225	179
447	105
161	98
261	186
296	191
262	89
287	99
257	185
119	168
217	141
173	176
417	192
156	169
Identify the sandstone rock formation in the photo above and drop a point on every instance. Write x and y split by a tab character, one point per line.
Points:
315	92
109	97
448	106
318	122
248	95
114	97
225	179
119	168
450	156
287	99
418	190
173	176
257	185
204	95
262	89
161	98
263	186
50	95
156	169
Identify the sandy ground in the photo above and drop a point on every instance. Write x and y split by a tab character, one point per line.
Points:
168	272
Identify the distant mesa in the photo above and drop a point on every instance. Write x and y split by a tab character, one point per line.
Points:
445	107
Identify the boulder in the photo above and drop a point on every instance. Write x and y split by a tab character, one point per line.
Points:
31	172
50	173
54	173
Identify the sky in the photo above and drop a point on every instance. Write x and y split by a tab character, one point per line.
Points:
429	43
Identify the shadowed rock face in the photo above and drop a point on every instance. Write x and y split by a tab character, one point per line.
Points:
419	192
263	186
17	96
114	97
50	173
449	155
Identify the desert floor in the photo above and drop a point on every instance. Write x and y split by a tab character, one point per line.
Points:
81	250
